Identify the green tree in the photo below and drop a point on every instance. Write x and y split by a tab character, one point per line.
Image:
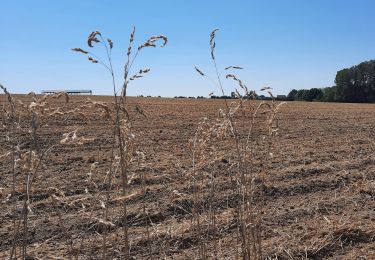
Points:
292	95
356	84
300	95
313	94
329	94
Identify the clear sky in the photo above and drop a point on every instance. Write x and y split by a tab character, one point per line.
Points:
283	44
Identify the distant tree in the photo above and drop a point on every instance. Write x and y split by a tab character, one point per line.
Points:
329	94
292	95
300	95
220	97
344	86
314	94
356	84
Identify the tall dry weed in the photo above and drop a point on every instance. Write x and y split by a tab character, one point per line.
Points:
123	148
236	124
26	158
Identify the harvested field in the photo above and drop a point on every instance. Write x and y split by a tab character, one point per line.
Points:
318	193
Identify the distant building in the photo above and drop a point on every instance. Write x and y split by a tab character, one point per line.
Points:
71	92
281	97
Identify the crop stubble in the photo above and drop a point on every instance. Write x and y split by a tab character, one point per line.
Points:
319	196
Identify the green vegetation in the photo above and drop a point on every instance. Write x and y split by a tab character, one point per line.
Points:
356	85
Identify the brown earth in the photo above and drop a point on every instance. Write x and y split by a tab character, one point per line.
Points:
318	195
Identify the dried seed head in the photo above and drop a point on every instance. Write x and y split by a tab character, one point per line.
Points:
212	36
146	44
143	71
199	71
92	60
240	83
139	74
151	42
110	42
264	88
80	50
212	42
234	67
132	35
92	38
160	37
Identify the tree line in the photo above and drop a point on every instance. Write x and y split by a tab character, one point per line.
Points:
355	84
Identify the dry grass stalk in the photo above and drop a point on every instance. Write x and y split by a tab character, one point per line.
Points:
228	125
123	137
11	132
26	161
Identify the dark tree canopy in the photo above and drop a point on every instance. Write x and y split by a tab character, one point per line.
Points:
292	95
355	84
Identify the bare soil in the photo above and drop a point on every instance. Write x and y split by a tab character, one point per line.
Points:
318	195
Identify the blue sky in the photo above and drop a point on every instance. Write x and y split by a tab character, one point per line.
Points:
283	44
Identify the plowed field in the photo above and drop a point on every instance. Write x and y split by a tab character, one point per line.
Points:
318	195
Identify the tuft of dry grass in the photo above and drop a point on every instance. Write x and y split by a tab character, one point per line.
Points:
27	162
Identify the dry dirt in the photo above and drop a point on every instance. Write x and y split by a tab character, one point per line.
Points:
318	196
